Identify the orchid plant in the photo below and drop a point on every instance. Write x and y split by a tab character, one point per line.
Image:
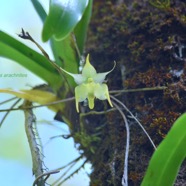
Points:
90	85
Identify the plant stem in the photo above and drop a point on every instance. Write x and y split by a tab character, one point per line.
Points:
37	164
138	90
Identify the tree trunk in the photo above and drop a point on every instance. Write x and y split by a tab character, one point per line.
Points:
147	40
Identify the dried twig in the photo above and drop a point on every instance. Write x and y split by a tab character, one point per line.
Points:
47	174
70	165
138	90
74	172
31	107
6	114
26	35
8	100
37	163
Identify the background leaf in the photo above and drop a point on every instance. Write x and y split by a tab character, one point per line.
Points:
167	159
63	17
38	96
28	58
65	51
65	55
81	28
39	9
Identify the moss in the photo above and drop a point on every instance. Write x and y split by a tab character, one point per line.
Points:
145	40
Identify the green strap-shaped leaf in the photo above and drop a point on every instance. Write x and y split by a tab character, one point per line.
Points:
80	30
12	49
39	9
64	50
63	17
65	53
166	160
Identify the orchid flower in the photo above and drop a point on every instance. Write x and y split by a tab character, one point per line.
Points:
90	85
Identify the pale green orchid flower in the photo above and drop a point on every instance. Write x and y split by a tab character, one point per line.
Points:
90	85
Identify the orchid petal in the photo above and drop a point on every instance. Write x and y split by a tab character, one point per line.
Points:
102	93
81	94
88	69
100	77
